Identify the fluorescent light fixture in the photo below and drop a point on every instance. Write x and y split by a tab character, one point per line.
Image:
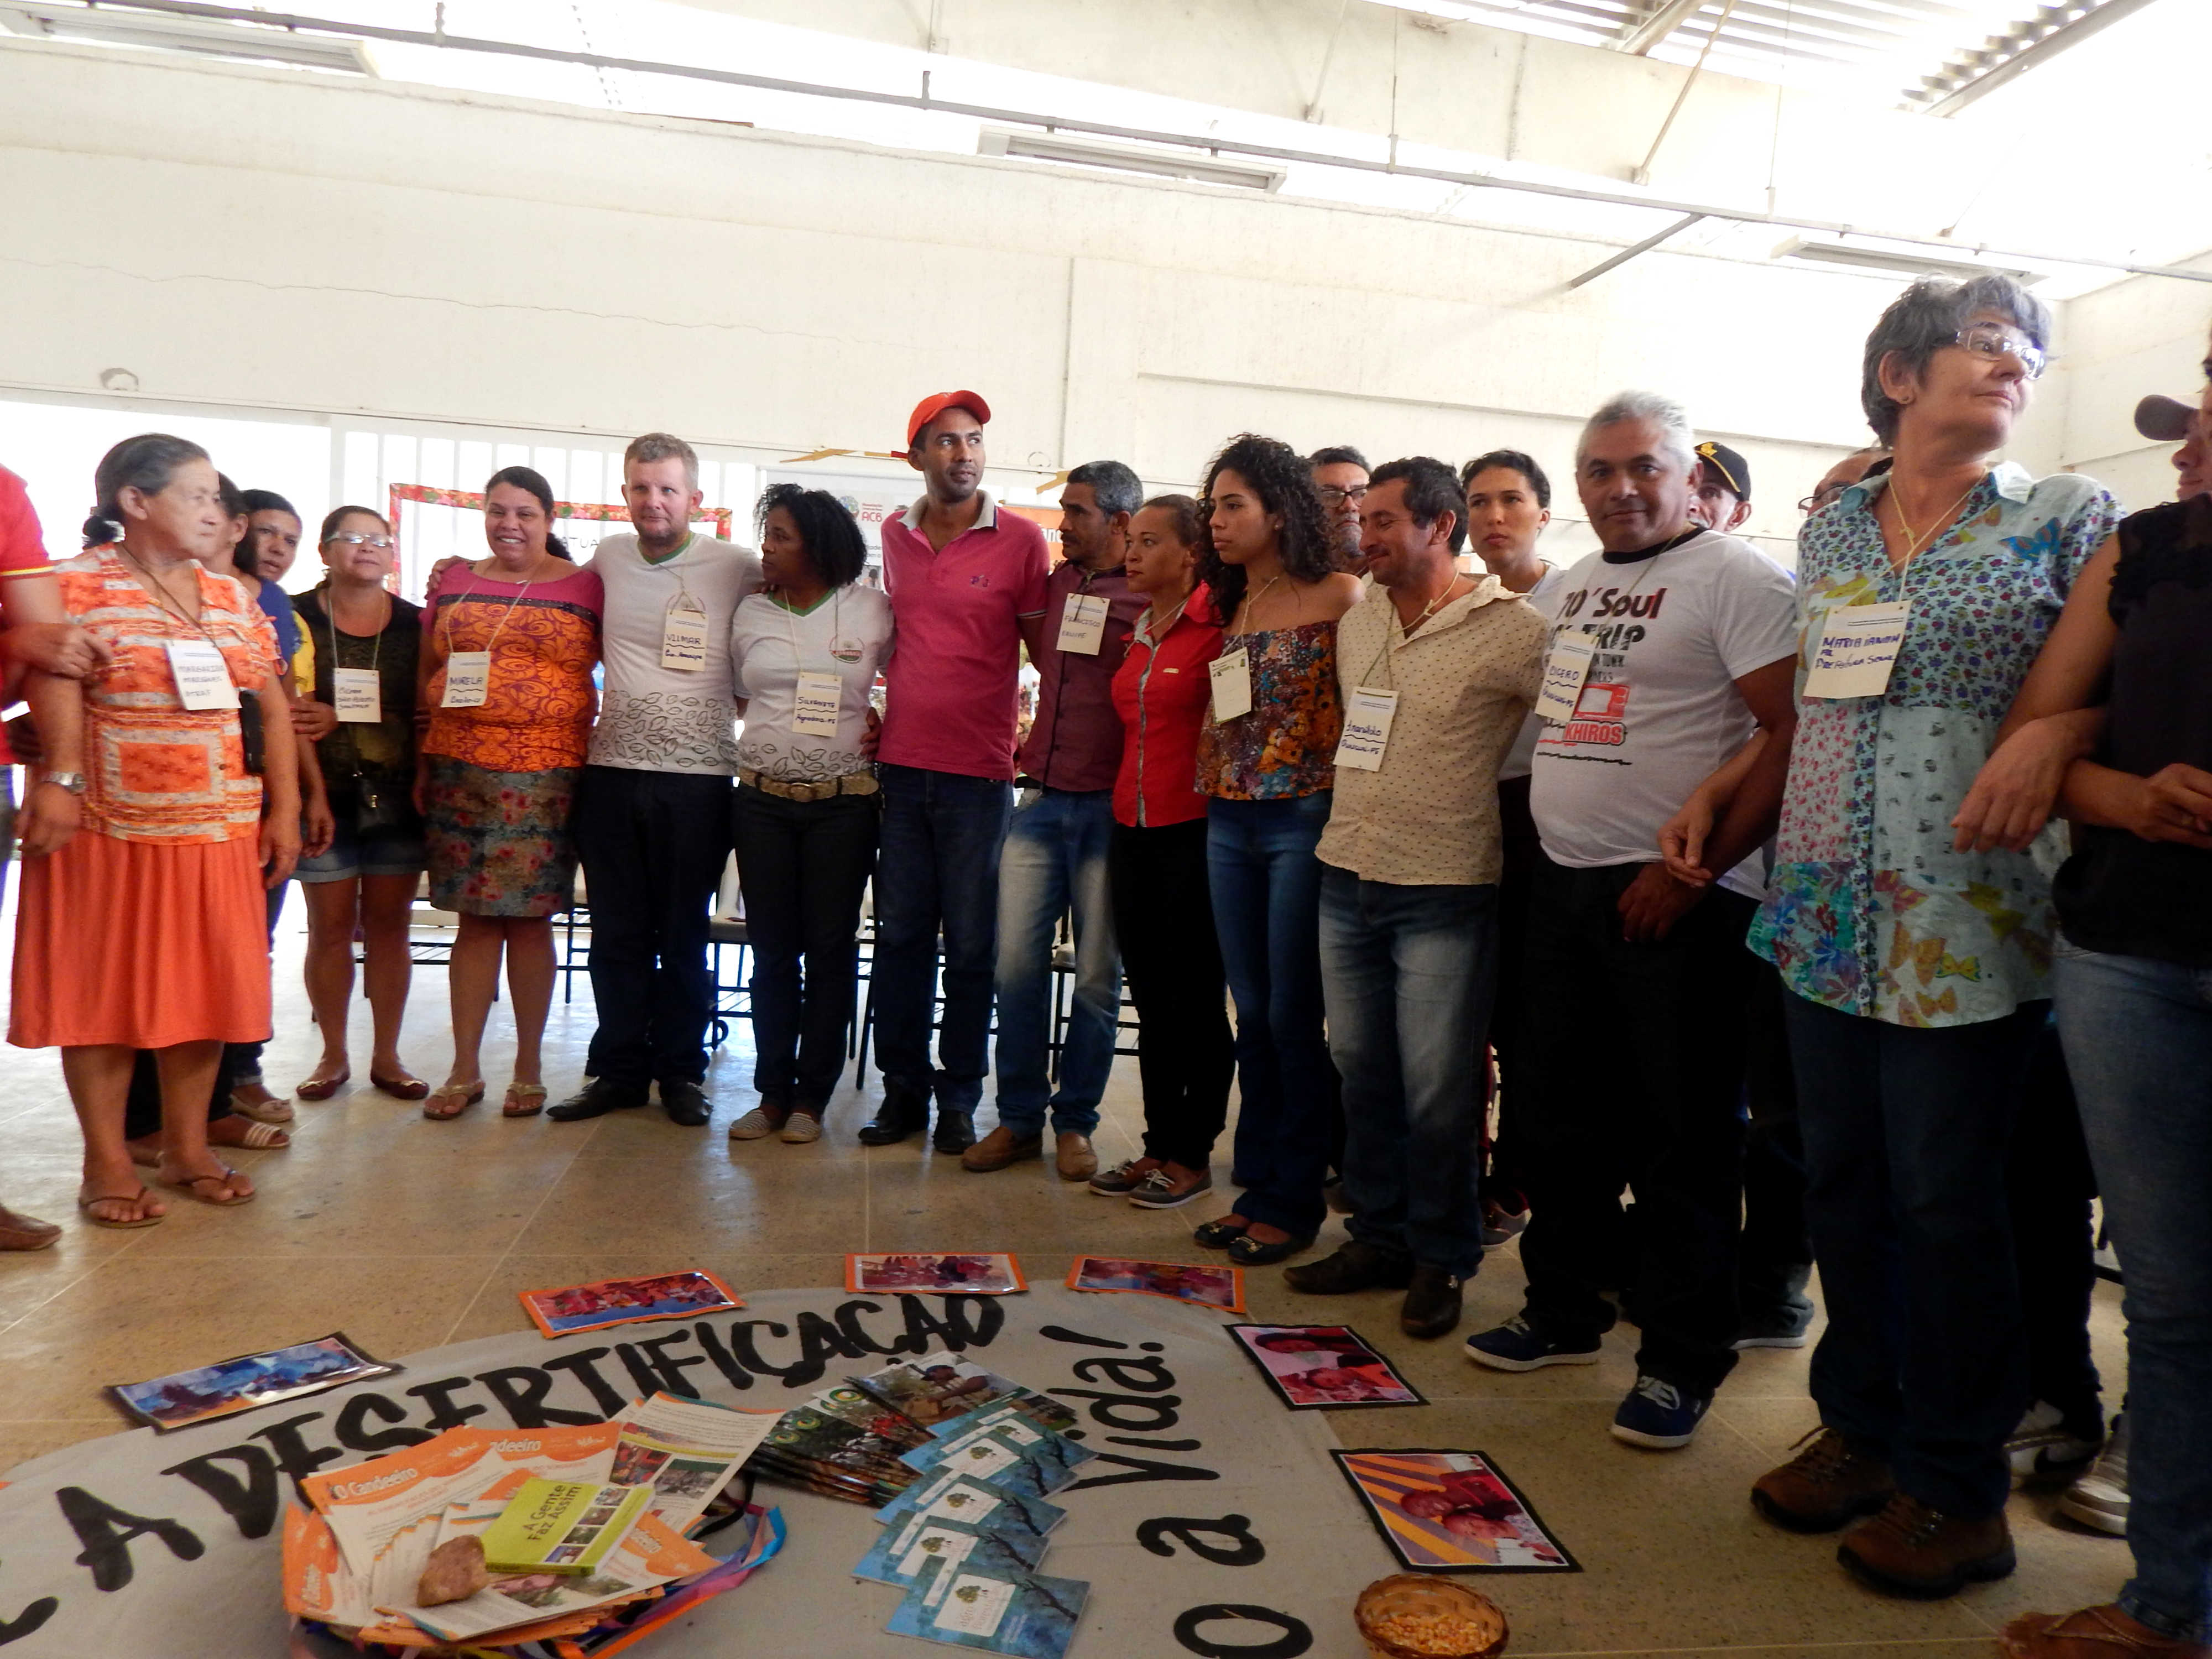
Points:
1160	163
249	42
1882	261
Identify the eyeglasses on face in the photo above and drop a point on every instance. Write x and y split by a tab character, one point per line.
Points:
355	538
1994	340
1820	498
1332	496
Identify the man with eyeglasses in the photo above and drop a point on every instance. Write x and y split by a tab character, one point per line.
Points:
653	813
1340	476
1842	475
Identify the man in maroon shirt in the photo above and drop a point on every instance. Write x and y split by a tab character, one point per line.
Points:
1054	860
967	587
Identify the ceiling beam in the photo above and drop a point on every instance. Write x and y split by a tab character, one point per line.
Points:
1965	85
1666	16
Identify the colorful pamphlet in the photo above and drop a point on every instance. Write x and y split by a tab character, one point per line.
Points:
1202	1286
1039	1409
949	1495
595	1307
993	1609
937	1388
1011	1453
909	1273
862	1409
903	1553
1323	1367
686	1450
1451	1511
231	1386
561	1526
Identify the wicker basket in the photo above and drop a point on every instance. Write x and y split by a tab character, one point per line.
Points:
1420	1594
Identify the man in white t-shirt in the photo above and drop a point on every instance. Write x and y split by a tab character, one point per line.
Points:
653	813
1674	645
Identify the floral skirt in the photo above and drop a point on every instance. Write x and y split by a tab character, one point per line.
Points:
500	841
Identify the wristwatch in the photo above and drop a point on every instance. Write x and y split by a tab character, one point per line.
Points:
72	781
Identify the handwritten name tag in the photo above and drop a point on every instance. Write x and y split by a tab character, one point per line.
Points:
1367	717
1565	670
1857	649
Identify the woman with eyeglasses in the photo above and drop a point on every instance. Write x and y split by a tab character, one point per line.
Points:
1267	759
356	675
1916	972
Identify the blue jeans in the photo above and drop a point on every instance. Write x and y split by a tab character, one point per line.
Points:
1266	886
1408	973
1906	1129
1055	861
936	870
2138	1037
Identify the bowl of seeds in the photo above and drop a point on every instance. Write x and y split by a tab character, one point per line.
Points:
1412	1615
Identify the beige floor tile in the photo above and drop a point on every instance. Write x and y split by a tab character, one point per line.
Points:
716	1203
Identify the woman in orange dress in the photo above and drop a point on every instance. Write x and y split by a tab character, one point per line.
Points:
142	923
508	645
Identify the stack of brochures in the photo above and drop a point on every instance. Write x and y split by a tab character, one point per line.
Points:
587	1535
966	1537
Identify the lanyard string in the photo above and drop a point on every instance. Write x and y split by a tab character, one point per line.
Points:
790	628
163	599
376	640
673	564
1431	610
496	626
1152	640
1250	599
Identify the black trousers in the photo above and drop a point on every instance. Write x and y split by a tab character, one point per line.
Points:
654	846
1186	1055
1776	1256
1633	1075
804	865
1504	1182
2050	1182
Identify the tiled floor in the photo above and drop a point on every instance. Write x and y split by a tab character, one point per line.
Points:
408	1234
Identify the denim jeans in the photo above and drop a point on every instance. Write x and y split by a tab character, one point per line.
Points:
2138	1036
936	870
1266	886
1924	1361
1633	1079
804	865
1408	973
1055	861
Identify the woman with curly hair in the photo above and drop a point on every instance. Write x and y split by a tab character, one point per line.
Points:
1267	761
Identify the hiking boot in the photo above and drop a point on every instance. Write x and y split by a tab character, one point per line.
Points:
1356	1265
1431	1307
1827	1486
1923	1554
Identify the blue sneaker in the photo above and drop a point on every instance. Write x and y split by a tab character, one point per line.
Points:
1517	1345
1660	1415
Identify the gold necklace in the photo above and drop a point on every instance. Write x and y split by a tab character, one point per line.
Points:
1914	537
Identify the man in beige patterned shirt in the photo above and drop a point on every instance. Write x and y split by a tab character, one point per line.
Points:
1436	670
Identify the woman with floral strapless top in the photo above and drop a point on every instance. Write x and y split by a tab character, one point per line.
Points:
1266	758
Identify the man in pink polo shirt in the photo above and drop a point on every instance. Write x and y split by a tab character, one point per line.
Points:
967	586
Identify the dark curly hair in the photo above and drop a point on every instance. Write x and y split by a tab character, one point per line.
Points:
827	530
1283	480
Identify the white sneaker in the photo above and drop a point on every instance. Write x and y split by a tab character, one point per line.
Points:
758	1124
2100	1499
800	1128
2043	1447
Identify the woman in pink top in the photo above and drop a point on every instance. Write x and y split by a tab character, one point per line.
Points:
1163	906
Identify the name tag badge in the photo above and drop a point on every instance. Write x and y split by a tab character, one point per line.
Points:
468	679
1367	717
1565	670
203	677
1857	649
683	638
817	704
357	694
1083	624
1232	673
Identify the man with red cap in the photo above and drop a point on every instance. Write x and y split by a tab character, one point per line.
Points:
967	586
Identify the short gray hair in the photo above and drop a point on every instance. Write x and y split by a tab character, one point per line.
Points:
664	447
1113	486
1927	317
1681	440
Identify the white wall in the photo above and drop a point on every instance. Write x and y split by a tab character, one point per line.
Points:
262	241
2139	337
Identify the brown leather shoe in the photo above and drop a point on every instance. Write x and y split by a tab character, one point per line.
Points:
1827	1486
1075	1160
2102	1632
1000	1148
25	1232
1913	1551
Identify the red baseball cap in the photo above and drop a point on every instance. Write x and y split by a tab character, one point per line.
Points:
936	403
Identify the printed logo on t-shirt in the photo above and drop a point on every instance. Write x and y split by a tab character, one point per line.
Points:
1601	718
980	579
846	650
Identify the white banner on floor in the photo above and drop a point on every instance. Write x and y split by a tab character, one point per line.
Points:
1213	1522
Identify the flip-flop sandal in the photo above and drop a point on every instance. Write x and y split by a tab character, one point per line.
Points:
189	1187
142	1196
402	1087
451	1100
319	1087
523	1100
264	1137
